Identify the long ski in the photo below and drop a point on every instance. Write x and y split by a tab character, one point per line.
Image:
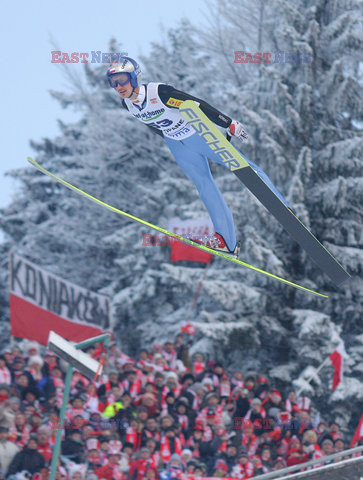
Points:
233	160
166	232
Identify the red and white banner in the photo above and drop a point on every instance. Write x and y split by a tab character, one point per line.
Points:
199	229
358	433
337	359
41	301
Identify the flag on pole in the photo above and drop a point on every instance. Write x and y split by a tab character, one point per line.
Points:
188	328
358	434
337	359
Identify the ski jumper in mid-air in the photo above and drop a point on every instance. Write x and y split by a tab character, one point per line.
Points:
157	106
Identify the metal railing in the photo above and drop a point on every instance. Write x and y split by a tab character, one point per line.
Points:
319	472
280	473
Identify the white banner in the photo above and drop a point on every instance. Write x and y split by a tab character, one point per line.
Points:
54	294
197	228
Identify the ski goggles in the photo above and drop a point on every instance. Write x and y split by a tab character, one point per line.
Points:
119	79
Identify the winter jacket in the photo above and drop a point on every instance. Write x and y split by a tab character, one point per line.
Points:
8	450
7	416
27	459
73	449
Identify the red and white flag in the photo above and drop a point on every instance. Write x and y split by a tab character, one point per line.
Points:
358	433
188	328
337	359
41	301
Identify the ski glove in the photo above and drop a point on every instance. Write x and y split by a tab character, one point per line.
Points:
237	129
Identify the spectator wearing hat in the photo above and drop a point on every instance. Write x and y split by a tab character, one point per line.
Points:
278	464
273	400
44	447
339	445
30	396
132	383
248	439
220	468
35	364
244	468
27	459
200	470
112	469
8	410
250	382
295	456
77	408
150	403
212	404
159	362
196	439
154	450
334	431
133	434
242	403
210	449
169	403
8	449
257	415
184	416
93	454
139	466
124	414
169	444
327	447
17	368
197	392
35	421
174	468
229	456
172	383
266	458
72	446
151	431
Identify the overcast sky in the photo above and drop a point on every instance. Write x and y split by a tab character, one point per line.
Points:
26	30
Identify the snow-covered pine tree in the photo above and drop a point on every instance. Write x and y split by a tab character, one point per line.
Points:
305	126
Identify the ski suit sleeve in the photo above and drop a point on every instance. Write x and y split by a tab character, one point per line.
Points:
155	130
167	93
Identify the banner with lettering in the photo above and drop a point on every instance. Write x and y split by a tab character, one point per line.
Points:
199	229
41	301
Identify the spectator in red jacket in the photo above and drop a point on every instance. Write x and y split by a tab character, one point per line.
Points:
111	470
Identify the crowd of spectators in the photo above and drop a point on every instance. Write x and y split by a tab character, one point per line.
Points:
160	416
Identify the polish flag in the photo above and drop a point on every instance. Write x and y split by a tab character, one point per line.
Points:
188	328
336	359
358	434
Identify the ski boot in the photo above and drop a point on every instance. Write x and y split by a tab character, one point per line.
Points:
218	244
